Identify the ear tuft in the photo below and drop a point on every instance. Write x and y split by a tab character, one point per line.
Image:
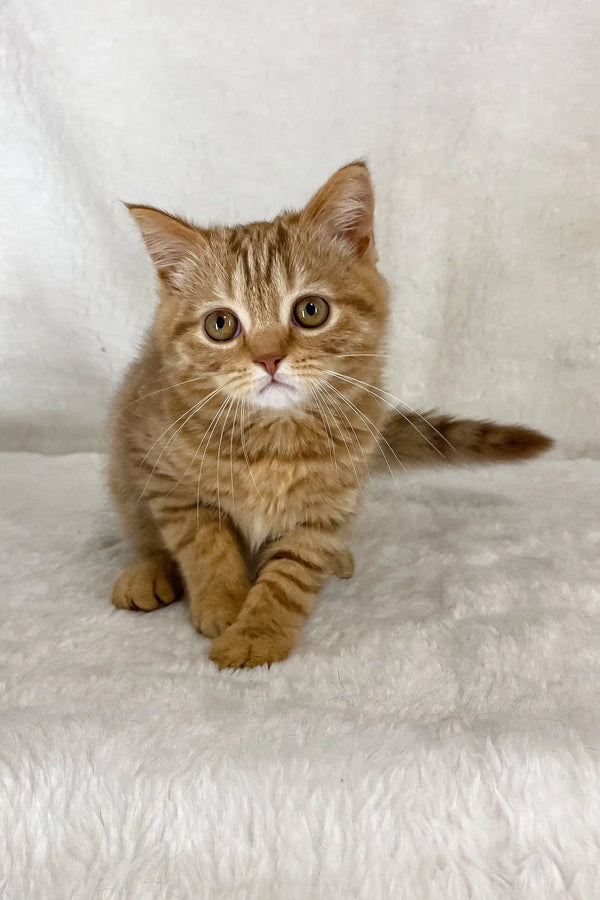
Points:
343	209
167	238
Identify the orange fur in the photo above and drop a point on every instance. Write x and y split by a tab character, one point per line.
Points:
243	500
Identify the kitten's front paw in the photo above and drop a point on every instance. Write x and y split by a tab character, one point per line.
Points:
212	616
239	648
148	584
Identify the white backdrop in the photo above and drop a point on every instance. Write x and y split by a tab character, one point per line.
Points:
480	122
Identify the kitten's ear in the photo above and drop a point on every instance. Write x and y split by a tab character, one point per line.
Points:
343	209
168	239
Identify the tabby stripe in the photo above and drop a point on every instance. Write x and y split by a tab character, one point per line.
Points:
245	264
181	543
171	509
302	585
183	327
359	304
147	467
289	554
282	598
158	492
269	262
281	238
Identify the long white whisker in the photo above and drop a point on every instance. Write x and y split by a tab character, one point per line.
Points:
190	464
328	429
212	426
327	401
169	387
371	425
371	388
219	458
352	355
237	407
323	384
245	452
192	413
195	407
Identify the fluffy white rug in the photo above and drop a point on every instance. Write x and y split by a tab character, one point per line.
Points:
435	734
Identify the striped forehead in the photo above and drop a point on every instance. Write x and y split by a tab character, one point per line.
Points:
261	275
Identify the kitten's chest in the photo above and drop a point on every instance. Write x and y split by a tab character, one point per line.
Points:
271	499
268	490
255	526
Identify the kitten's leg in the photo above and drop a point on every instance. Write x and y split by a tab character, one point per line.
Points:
211	560
153	581
292	571
150	583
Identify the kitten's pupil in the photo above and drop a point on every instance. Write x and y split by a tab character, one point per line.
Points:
311	308
220	322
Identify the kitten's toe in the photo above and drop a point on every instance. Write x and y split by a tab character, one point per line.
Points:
243	648
212	617
148	584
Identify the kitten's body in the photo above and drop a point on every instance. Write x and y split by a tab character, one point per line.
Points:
250	499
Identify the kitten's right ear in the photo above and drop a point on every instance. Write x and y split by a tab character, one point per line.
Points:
343	210
168	239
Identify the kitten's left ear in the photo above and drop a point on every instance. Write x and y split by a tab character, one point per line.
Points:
343	210
168	239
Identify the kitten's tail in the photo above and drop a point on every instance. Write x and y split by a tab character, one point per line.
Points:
433	439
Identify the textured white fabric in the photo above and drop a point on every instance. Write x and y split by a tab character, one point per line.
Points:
480	121
436	733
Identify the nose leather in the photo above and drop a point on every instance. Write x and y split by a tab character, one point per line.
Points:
269	362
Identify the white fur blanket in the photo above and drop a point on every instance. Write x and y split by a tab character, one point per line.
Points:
436	733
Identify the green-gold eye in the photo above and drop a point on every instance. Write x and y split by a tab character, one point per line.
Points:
221	325
310	312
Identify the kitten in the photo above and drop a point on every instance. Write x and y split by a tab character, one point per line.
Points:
242	432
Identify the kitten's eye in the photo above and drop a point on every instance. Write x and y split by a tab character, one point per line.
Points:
221	325
310	312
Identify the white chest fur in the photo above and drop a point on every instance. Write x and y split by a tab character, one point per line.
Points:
254	526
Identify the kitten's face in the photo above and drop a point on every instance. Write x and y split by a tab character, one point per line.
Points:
266	312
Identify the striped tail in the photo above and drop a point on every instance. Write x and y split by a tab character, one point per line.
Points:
437	439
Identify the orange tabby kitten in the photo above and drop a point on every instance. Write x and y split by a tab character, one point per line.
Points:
242	432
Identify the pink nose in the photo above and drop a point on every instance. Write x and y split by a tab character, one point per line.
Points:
269	363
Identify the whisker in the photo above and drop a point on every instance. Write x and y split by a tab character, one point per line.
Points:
370	425
343	413
329	432
195	407
193	459
243	439
207	435
192	413
169	387
352	355
219	458
189	465
237	407
327	400
367	387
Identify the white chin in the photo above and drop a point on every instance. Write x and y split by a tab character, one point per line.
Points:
276	396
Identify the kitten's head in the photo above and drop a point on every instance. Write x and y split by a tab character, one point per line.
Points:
266	312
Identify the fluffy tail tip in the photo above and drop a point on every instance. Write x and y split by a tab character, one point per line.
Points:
514	442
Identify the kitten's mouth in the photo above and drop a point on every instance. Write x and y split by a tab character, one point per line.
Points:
277	394
275	383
